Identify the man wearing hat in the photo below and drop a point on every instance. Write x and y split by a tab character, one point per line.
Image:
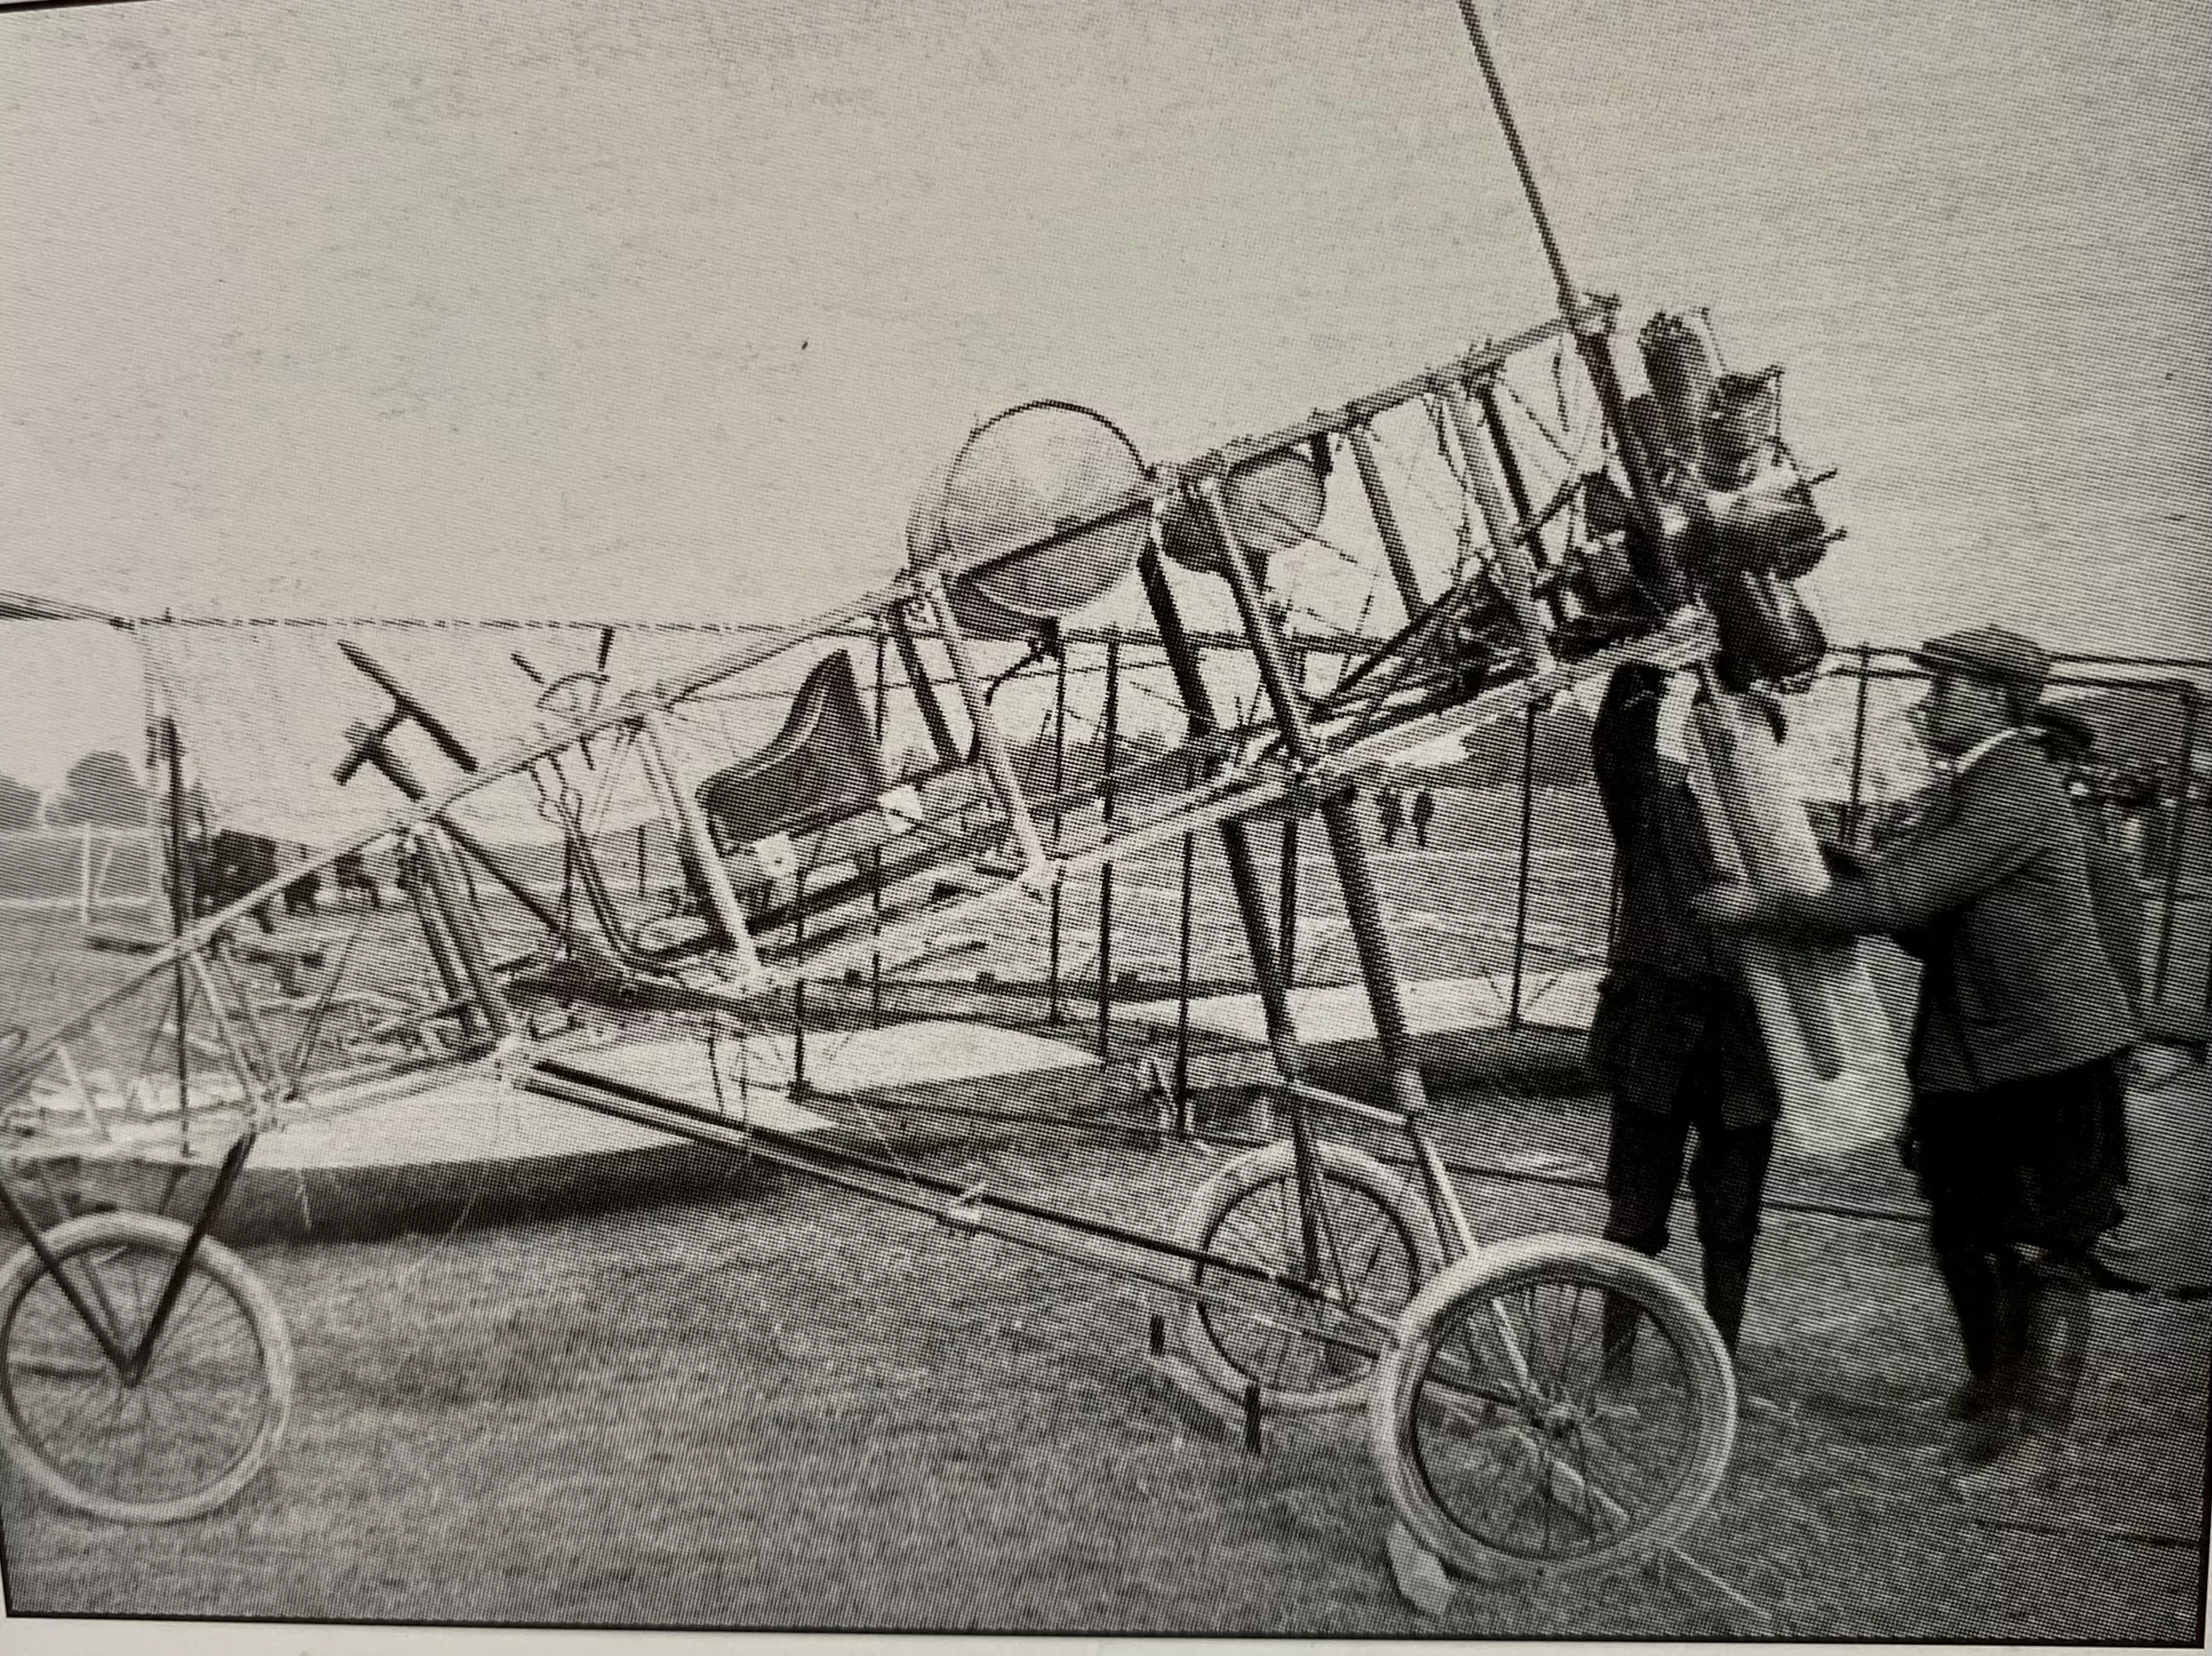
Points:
2020	1017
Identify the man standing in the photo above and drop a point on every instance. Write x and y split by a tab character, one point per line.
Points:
2115	888
1392	811
1424	812
1675	1036
2115	894
2020	1016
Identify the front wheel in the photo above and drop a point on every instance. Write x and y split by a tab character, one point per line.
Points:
200	1422
1554	1406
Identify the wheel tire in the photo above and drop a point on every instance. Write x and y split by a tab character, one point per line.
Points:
1205	1334
33	1383
1708	1382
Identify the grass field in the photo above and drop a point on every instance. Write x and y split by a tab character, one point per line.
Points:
779	1408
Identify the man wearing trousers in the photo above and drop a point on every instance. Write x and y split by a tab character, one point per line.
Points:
1675	1036
2019	1018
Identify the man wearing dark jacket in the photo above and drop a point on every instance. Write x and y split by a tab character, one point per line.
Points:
2115	888
2115	892
1675	1036
2020	1016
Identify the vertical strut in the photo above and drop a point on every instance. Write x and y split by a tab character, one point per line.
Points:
2177	838
439	865
1508	464
425	903
1236	841
182	900
1268	651
1183	966
1528	850
1109	757
1286	896
1510	556
1855	806
925	693
695	844
799	1088
876	857
1385	520
1559	600
1058	791
996	760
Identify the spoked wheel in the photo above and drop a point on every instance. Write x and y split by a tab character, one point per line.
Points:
200	1422
1555	1405
1367	1250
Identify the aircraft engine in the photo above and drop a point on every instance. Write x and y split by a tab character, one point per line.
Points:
1747	524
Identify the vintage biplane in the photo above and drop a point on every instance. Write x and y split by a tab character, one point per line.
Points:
1551	1404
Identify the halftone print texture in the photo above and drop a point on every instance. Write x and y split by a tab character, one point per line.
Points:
1097	818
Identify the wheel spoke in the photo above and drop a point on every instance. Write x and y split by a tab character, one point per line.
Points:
204	1407
1362	1273
1512	1464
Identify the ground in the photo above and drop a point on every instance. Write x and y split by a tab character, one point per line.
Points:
777	1408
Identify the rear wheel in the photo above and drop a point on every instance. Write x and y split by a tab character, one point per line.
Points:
197	1426
1313	1345
1554	1406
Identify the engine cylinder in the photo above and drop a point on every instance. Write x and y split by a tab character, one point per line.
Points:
1680	360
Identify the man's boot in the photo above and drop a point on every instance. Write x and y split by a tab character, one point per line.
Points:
1728	1285
1991	1432
2056	1315
1969	1400
2058	1347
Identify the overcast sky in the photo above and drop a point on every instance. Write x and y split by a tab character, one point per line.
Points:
665	309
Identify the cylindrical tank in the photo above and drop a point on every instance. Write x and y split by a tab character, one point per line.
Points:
1275	503
927	543
1039	475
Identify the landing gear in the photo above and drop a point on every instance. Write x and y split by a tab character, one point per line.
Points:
1554	1406
1313	1345
179	1438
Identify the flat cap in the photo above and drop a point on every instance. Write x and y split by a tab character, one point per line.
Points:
1995	653
2068	730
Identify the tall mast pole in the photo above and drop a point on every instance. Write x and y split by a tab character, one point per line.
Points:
1591	340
